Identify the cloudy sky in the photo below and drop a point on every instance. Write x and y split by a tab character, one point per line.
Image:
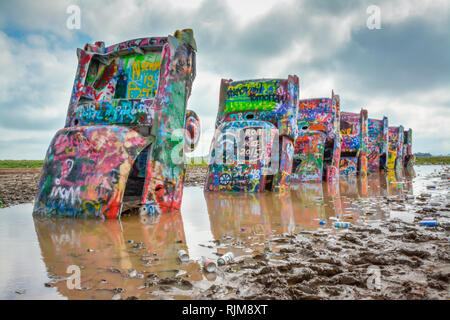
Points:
401	70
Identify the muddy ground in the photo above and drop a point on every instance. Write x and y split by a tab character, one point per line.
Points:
386	258
19	185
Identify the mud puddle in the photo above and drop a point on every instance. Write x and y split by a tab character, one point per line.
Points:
362	239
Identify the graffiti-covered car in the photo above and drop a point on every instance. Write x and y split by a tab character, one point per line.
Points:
253	144
395	153
318	143
354	148
408	158
123	142
378	144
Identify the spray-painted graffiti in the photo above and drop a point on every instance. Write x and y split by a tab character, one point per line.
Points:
318	144
247	153
395	155
123	145
378	144
143	75
348	166
354	130
86	170
241	154
408	157
263	95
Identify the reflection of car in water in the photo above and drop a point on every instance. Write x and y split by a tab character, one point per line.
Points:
252	148
308	199
354	149
318	143
378	133
395	155
400	182
102	250
239	214
122	145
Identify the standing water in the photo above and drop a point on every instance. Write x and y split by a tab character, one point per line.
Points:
138	256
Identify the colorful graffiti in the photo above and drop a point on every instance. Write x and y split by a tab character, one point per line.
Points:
252	149
395	155
318	143
408	157
348	166
123	143
354	130
378	144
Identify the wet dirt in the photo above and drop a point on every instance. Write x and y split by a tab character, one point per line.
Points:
18	185
286	245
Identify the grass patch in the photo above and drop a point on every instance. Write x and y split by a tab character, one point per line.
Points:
433	160
21	163
196	161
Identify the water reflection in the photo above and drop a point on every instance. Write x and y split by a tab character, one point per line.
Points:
305	206
108	252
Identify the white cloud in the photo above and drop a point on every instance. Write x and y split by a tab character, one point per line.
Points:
236	39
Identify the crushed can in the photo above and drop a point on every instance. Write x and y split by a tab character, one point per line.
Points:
428	223
183	256
342	224
227	258
208	265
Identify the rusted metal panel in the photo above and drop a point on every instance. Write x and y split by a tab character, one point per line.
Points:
408	157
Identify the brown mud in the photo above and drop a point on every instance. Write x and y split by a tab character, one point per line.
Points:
18	185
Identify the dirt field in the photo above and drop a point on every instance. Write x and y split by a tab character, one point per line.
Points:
19	185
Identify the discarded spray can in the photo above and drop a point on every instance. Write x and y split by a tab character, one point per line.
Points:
227	258
183	256
342	224
208	265
428	223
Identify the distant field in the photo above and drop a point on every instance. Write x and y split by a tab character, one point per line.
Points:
21	163
433	160
196	162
